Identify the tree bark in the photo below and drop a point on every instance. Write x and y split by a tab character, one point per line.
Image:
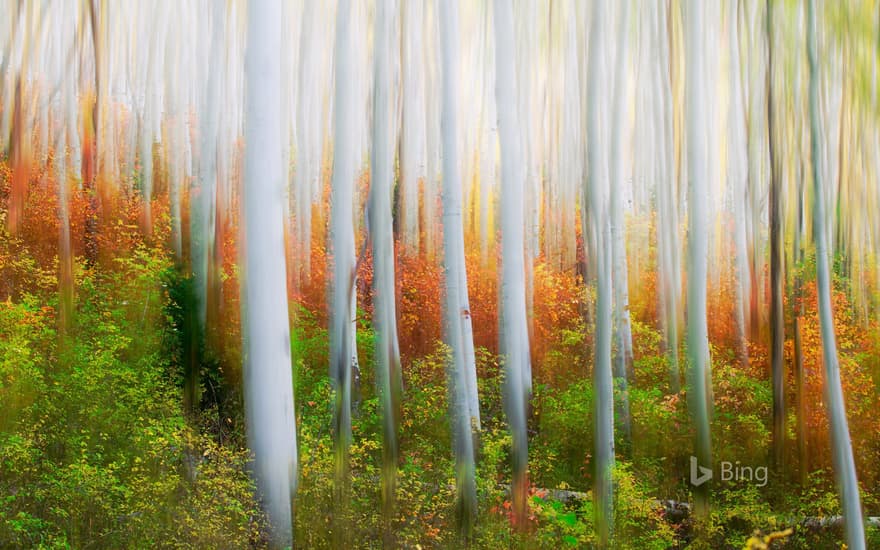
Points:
268	383
342	352
777	315
455	277
597	190
697	335
381	235
513	333
841	445
623	360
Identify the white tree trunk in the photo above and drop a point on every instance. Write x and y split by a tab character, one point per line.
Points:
622	328
342	353
203	189
381	234
737	161
456	313
308	141
513	331
412	144
841	445
697	335
597	191
669	259
268	383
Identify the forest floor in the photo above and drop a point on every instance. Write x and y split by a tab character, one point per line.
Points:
98	451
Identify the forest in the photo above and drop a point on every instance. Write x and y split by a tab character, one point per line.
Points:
440	274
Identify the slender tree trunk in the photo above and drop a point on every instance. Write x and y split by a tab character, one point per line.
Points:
342	352
777	315
431	63
669	262
597	189
412	142
756	113
379	224
306	143
151	99
203	189
268	383
455	278
798	314
737	160
513	332
841	445
697	335
65	257
623	359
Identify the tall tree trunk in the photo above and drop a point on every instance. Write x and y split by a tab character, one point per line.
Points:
342	352
307	158
623	360
412	142
597	190
756	117
514	335
268	383
381	235
841	445
65	256
90	146
777	315
20	133
455	277
737	160
697	335
798	314
669	261
151	100
431	61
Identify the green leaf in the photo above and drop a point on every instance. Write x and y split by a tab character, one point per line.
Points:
569	518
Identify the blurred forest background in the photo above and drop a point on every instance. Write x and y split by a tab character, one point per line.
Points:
439	273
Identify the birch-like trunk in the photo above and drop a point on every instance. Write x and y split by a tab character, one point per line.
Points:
342	350
697	332
412	144
669	260
381	234
597	190
268	383
736	175
841	445
622	328
513	332
455	277
203	189
777	315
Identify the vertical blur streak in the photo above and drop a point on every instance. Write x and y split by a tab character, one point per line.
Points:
380	228
268	383
513	332
697	336
737	184
19	140
412	142
623	359
668	249
343	257
597	190
777	315
455	277
65	258
202	191
841	445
